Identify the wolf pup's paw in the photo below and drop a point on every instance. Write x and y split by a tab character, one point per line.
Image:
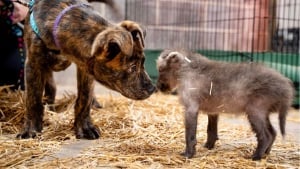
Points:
209	145
188	154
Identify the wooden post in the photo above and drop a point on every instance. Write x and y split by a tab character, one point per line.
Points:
272	22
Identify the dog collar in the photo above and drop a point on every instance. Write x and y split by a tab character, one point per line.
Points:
58	18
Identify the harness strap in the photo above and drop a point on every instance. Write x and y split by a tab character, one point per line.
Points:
58	18
30	4
34	25
32	22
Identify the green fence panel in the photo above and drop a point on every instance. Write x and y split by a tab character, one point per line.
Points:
150	63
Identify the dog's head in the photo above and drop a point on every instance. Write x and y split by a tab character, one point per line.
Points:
118	61
168	64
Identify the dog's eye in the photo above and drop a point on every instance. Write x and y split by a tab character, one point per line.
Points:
132	69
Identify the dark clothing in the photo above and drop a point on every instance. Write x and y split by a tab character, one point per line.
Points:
12	49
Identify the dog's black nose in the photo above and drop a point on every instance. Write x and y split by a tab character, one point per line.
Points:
151	89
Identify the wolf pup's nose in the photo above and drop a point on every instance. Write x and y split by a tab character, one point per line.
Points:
162	87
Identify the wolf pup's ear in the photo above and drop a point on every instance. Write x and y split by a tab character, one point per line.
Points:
174	57
109	43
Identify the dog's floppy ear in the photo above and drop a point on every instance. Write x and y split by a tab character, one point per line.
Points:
113	48
110	42
138	33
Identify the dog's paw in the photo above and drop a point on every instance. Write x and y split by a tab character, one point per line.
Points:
30	130
89	131
26	135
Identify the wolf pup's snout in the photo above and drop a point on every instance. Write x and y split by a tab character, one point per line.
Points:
162	87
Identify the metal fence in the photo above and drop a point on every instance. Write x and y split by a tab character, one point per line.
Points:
239	25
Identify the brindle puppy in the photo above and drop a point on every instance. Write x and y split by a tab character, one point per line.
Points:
110	54
215	87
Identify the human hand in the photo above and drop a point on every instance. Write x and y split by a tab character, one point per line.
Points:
19	13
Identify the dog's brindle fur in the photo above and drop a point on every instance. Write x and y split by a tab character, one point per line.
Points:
110	54
216	87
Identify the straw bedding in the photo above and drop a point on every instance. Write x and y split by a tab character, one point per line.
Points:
134	134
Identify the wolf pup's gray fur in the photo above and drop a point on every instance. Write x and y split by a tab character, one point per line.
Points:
215	87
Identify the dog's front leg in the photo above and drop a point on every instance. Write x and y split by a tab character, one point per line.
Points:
35	82
84	128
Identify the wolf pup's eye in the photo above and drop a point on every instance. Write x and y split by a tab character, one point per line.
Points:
160	69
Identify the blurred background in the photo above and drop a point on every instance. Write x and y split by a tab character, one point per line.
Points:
265	31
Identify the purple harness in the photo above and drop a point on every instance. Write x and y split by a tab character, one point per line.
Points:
58	18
